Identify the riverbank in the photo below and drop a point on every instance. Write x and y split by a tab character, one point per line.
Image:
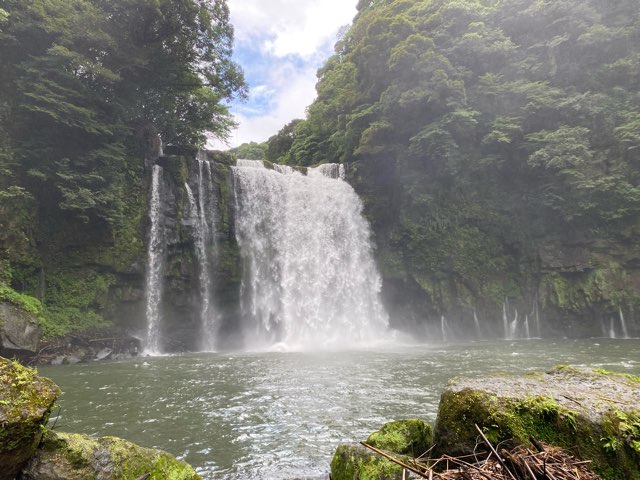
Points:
31	451
591	413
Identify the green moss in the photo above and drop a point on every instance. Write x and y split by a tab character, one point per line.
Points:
268	165
75	300
609	444
352	462
82	457
408	437
25	302
26	401
609	285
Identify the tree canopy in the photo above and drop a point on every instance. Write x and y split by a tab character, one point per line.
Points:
85	82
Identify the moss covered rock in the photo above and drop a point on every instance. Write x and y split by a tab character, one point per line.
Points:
402	438
355	462
593	412
26	401
406	437
63	456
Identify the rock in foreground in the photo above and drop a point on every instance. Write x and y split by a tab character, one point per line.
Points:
401	438
26	401
593	412
63	456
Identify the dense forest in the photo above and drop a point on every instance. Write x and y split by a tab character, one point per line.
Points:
86	89
496	145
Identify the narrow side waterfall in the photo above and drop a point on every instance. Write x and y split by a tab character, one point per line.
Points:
204	230
309	277
444	327
505	321
155	265
476	323
623	324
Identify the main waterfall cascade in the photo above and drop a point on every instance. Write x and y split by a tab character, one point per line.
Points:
155	264
309	278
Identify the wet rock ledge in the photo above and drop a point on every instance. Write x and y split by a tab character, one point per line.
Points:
592	413
31	452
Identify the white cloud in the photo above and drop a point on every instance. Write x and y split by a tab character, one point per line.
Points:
283	42
290	27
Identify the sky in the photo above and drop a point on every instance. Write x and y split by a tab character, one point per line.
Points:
280	45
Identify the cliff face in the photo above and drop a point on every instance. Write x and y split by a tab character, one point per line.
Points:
462	262
495	145
91	277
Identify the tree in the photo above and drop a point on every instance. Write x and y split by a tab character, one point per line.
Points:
92	76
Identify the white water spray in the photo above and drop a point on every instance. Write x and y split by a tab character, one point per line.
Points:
505	321
623	324
476	322
204	245
155	265
443	328
309	277
612	329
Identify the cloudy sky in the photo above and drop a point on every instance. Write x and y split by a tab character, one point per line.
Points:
280	45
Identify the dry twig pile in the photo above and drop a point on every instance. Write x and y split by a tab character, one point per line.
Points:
521	463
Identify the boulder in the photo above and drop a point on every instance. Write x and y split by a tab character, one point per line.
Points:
402	438
594	413
26	401
355	462
64	456
19	329
406	437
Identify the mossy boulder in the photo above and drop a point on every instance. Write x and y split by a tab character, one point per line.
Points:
406	437
402	439
355	462
593	412
64	456
26	401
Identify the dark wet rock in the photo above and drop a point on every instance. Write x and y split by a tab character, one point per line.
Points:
26	401
19	330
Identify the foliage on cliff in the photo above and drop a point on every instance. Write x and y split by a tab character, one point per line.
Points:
494	142
85	88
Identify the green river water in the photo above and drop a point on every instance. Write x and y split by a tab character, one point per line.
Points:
277	415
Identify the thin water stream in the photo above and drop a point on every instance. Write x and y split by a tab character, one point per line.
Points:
279	415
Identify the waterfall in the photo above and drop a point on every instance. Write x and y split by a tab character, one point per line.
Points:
443	328
204	229
537	317
612	329
527	333
155	264
476	322
309	279
513	327
505	321
623	325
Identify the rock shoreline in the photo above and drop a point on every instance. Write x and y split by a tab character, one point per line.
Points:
29	451
593	413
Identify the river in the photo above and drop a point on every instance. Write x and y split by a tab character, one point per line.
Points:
280	415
